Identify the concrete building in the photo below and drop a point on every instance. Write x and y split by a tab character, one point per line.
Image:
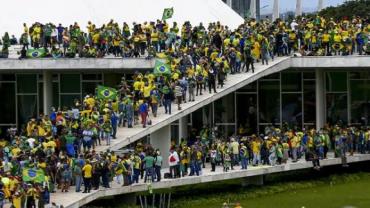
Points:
302	92
243	7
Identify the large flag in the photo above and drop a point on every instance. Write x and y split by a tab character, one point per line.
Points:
161	68
33	174
36	53
106	93
167	13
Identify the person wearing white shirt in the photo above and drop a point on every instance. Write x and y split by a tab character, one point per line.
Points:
173	162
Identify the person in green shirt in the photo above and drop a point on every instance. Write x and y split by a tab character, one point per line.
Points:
149	164
158	160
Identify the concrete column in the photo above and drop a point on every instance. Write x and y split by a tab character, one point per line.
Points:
229	3
276	10
47	78
320	99
298	8
321	5
253	9
161	139
183	128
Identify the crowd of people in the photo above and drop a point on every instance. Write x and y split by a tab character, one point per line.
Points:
263	39
62	146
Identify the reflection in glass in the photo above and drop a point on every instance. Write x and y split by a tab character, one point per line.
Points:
291	82
269	102
336	108
246	113
89	87
292	110
225	131
27	108
336	81
225	109
27	83
70	83
309	98
68	100
360	101
7	106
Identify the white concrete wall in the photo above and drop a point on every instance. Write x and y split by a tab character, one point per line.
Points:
161	139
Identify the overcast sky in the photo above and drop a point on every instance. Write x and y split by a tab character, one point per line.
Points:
289	5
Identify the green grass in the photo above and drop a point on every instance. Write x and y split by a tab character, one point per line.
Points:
330	192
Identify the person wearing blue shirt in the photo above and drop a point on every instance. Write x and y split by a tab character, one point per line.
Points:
114	123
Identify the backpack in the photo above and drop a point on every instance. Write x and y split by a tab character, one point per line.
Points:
172	159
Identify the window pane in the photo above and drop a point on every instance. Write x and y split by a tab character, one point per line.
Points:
252	87
197	119
7	77
175	134
246	105
360	96
272	76
291	82
308	75
292	109
27	108
67	101
70	83
359	75
336	108
225	131
336	81
56	94
89	87
27	83
91	76
224	109
309	106
269	102
7	108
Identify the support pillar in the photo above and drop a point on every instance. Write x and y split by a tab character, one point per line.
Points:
298	8
253	9
161	139
321	5
320	99
183	128
276	10
47	78
229	3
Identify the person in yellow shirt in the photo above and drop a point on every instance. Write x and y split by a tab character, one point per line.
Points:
87	175
325	42
256	149
155	39
337	45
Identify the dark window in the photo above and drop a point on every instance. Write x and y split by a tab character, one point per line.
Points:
7	105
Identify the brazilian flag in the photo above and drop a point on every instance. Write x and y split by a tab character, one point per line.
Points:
167	13
161	68
106	93
36	53
33	174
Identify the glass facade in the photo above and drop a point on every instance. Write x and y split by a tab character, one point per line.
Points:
284	97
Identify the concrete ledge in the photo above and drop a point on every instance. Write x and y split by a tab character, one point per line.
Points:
330	62
129	64
189	180
76	64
